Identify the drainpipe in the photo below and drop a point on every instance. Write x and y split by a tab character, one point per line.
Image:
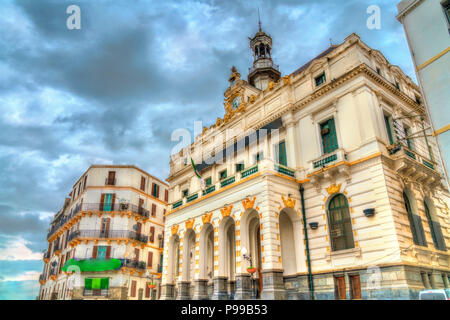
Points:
308	259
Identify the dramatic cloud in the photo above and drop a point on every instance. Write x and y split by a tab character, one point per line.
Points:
114	91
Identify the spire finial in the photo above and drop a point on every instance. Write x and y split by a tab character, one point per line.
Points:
259	21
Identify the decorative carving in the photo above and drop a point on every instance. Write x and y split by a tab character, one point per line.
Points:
226	211
174	229
252	98
288	202
334	189
271	85
287	79
206	218
189	224
248	204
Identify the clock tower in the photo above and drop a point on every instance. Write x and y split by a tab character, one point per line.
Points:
263	70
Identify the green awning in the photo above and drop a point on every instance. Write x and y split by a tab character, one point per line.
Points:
93	265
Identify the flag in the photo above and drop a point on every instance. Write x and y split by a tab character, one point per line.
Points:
202	182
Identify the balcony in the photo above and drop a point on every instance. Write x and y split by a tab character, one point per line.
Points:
112	234
110	182
284	170
209	190
416	167
248	172
263	64
96	292
46	256
133	264
117	207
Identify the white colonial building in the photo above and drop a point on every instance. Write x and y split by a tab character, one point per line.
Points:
106	241
327	187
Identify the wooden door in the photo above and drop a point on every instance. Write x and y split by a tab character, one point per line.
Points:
339	283
355	287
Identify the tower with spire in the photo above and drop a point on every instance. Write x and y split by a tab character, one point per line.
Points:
263	70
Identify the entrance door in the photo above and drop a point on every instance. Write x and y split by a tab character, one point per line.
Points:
355	287
339	288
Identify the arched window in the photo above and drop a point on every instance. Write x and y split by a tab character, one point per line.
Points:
435	229
415	223
341	233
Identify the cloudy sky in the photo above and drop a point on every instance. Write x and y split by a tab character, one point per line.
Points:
113	92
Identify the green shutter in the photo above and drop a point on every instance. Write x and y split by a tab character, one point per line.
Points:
388	128
282	159
440	242
208	181
88	284
104	283
329	137
419	230
96	283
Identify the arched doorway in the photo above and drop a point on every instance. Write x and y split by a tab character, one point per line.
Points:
227	257
206	263
251	244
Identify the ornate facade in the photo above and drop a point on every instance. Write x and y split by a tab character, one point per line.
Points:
332	199
106	242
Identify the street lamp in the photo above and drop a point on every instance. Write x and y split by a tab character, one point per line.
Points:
151	285
250	269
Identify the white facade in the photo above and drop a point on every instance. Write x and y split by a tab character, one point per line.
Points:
114	212
427	27
343	138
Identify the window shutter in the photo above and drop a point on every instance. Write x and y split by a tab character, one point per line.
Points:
147	291
88	283
84	183
166	195
136	254
113	201
108	252
153	209
102	201
150	259
419	230
143	183
133	288
439	237
152	234
94	252
153	189
157	191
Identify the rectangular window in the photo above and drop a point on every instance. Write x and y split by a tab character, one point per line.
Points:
208	181
397	85
84	183
111	178
223	174
239	167
153	210
185	192
320	79
259	156
166	195
339	288
152	234
101	252
388	129
379	71
418	100
143	183
281	154
329	137
409	141
155	190
150	259
107	202
133	288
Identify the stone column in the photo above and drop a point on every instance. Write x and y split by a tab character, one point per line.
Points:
243	287
200	289
167	292
273	286
220	288
184	290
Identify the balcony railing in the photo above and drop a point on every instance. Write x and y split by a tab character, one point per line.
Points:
128	207
284	170
398	149
133	264
110	182
227	181
96	292
192	197
209	190
115	234
328	159
249	172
